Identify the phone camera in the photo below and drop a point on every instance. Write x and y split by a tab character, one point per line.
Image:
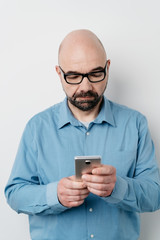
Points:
88	162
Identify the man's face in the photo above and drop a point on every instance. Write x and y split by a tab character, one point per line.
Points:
86	95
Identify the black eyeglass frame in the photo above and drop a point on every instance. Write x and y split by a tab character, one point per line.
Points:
84	75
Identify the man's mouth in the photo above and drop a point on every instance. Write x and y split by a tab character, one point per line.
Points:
87	98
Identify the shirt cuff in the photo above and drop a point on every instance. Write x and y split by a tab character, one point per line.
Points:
118	191
52	198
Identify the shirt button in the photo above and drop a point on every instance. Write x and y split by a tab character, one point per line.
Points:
91	209
92	236
87	133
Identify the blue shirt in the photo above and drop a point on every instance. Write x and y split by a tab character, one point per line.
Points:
46	153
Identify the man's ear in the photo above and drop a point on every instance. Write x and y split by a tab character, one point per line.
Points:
58	71
108	64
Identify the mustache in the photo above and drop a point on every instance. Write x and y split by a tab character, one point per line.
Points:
85	94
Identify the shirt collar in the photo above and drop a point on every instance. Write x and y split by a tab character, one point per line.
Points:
105	115
66	116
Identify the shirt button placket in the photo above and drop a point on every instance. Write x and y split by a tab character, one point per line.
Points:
87	143
91	210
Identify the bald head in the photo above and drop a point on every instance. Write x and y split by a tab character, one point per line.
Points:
78	43
83	70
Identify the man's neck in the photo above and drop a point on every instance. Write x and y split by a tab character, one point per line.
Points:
85	116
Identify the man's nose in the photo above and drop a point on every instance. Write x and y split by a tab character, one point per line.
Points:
85	85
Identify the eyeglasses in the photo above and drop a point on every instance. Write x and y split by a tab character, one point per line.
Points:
77	78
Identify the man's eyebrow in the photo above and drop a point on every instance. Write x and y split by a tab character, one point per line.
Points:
92	70
97	69
72	72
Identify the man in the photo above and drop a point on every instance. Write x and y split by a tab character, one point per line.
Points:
106	203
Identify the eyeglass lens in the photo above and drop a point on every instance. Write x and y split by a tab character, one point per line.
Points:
94	77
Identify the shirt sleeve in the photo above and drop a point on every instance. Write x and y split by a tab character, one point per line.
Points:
24	192
142	192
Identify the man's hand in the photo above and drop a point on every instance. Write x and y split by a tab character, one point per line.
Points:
71	193
102	180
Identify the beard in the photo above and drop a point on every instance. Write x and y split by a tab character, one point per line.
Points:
85	105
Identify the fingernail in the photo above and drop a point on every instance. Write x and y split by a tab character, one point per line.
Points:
83	177
94	171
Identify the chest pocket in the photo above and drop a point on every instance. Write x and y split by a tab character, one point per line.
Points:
123	161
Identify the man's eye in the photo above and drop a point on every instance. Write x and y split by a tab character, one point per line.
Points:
72	77
96	74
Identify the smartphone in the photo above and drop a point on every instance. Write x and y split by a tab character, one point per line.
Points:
85	164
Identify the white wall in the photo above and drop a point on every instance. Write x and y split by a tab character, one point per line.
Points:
30	32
